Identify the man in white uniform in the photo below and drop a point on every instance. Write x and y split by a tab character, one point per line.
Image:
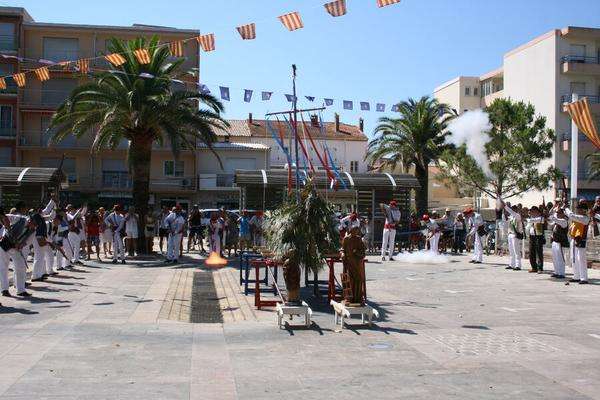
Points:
433	227
349	222
175	223
392	219
515	236
560	228
74	236
477	231
59	234
116	221
578	231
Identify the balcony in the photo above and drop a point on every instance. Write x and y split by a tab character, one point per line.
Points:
580	65
116	180
215	181
37	139
173	184
8	133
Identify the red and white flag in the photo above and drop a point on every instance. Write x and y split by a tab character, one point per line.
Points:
176	49
42	73
247	32
19	79
292	21
115	59
142	56
207	42
336	8
383	3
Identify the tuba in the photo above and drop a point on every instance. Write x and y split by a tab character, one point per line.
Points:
16	234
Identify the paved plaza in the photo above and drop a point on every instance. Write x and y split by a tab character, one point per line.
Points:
447	331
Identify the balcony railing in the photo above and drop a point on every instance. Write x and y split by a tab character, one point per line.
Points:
8	132
181	183
8	43
116	180
567	98
581	60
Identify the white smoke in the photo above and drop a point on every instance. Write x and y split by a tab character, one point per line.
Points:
471	129
422	257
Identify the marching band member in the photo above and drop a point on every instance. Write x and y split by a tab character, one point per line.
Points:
434	233
176	223
515	235
348	222
477	231
578	231
74	220
392	219
535	230
41	248
20	230
116	221
60	242
560	240
4	257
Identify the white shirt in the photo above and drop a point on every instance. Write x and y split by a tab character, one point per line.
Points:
347	223
476	221
175	223
115	221
392	215
531	222
562	222
515	218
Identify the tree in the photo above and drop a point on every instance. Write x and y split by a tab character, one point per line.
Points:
301	233
519	143
139	103
415	138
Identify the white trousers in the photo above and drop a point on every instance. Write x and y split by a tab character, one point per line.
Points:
514	249
173	246
558	259
61	261
478	249
118	246
20	269
215	243
580	263
39	259
4	261
434	243
75	242
389	242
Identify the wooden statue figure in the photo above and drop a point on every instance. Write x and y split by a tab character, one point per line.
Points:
291	275
354	254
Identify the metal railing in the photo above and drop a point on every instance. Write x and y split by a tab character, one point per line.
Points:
184	183
580	60
566	98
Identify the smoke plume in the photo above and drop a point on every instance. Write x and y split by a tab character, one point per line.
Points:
471	129
422	257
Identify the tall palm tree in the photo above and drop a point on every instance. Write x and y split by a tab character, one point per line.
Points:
415	138
139	103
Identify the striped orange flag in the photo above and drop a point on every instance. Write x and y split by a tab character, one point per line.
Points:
142	56
582	116
247	32
336	8
19	79
115	59
207	42
291	21
83	65
383	3
176	49
2	84
42	73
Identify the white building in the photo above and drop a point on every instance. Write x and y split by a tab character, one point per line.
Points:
544	72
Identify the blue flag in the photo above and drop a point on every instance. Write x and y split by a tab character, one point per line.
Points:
204	89
224	92
348	105
290	97
380	107
395	108
310	98
247	95
364	106
328	102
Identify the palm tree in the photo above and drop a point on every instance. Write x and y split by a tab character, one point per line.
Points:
415	138
138	103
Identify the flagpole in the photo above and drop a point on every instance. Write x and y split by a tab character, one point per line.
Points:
574	156
295	127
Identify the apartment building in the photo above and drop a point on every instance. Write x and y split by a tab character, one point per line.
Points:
544	72
25	113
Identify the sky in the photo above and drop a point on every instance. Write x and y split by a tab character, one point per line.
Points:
379	55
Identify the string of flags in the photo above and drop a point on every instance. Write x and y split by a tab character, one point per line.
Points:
291	21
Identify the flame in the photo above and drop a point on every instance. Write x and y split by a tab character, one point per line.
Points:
215	260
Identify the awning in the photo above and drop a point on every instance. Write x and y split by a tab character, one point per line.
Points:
18	175
352	180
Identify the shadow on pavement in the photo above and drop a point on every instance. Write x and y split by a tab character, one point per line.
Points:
15	310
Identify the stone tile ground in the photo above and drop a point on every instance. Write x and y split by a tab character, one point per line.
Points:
448	331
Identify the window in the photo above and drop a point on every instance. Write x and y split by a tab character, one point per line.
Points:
475	91
7	36
578	87
61	49
69	166
354	166
115	174
467	91
173	168
577	53
5	157
56	90
6	121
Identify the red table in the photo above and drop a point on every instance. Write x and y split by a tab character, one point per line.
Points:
258	264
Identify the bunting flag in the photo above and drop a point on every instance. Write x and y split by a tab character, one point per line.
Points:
383	3
336	8
2	84
582	117
247	95
19	79
115	59
310	98
65	65
204	89
247	32
328	102
142	56
380	107
266	96
83	65
290	97
207	42
42	73
365	106
395	108
224	92
176	48
291	21
348	105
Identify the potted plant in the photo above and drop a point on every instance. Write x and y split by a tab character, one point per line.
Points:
299	233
